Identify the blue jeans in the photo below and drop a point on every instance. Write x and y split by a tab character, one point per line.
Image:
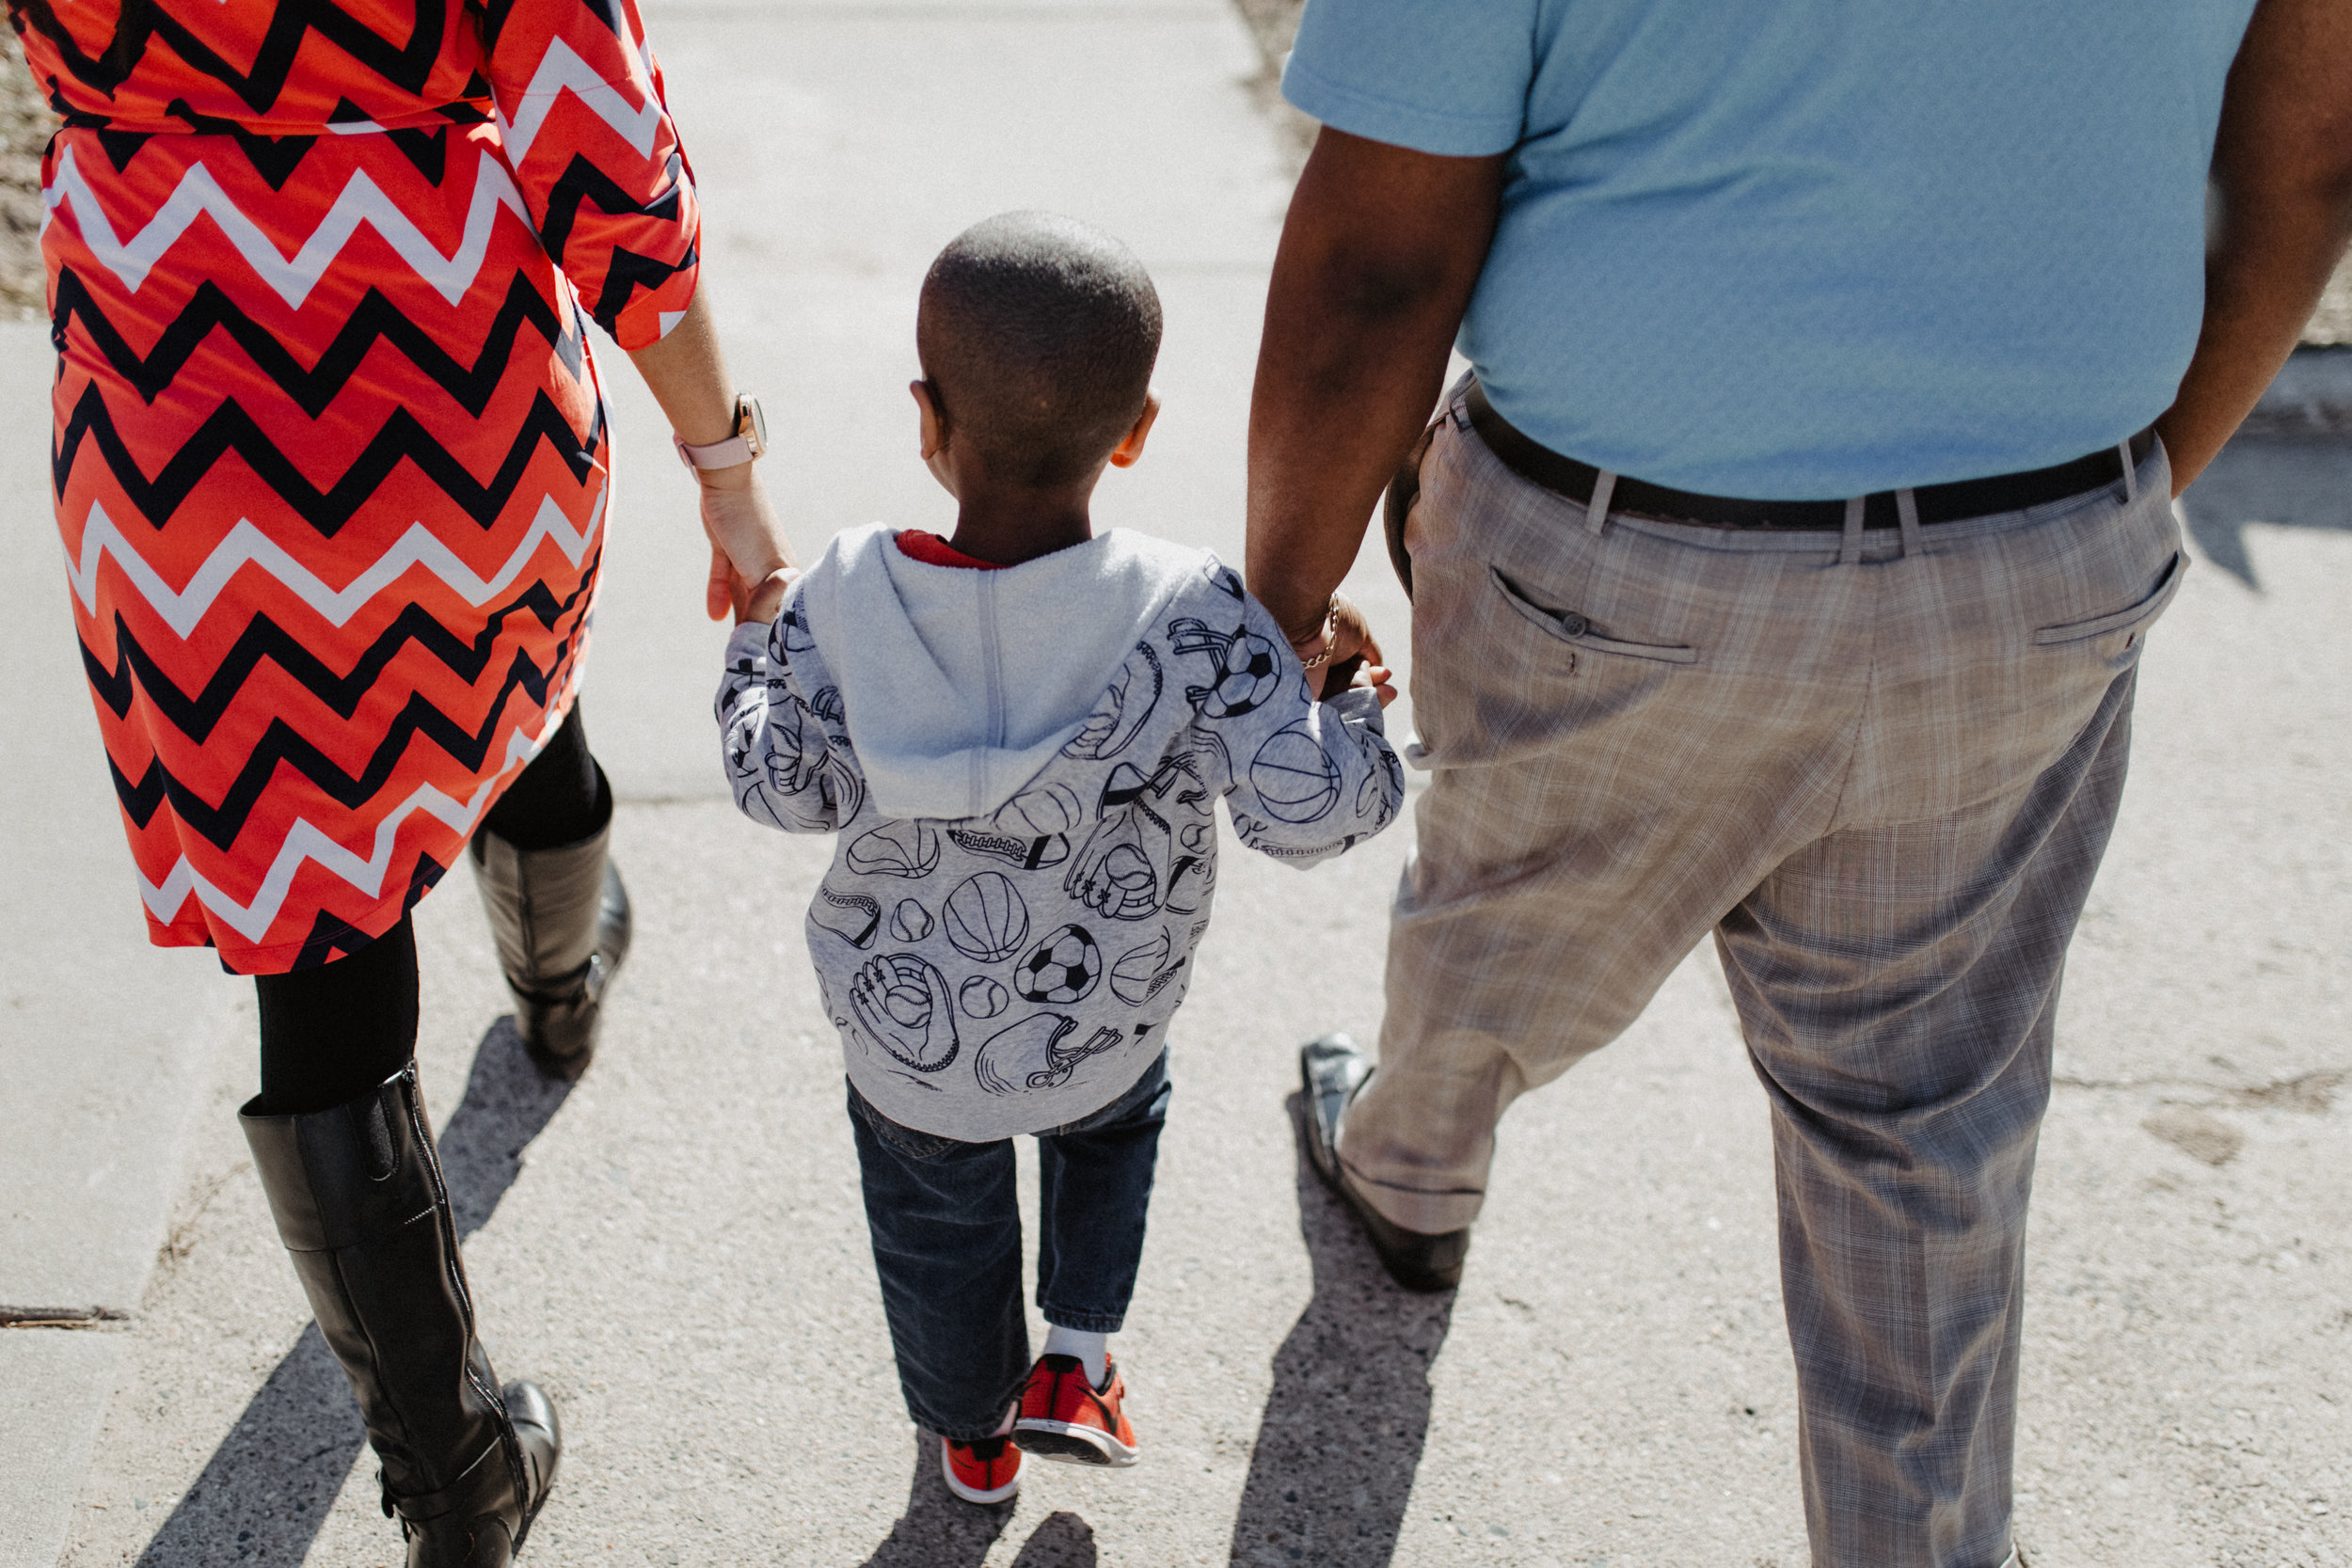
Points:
946	1229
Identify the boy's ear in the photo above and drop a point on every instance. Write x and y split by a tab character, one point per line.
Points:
932	426
1124	454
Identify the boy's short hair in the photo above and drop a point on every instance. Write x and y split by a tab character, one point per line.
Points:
1038	335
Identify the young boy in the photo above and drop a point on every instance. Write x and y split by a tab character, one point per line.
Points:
1020	734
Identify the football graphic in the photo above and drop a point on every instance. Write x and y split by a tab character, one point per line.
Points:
984	997
1062	968
1143	974
1036	1053
1041	813
896	849
852	917
1121	711
910	921
985	918
1297	782
826	704
1244	667
902	1004
1026	853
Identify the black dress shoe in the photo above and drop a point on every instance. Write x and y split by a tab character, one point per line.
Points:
1332	1070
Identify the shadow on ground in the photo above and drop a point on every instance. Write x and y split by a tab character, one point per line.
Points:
2286	482
938	1529
1348	1412
268	1487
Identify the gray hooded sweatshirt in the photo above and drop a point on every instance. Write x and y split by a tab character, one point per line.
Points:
1024	767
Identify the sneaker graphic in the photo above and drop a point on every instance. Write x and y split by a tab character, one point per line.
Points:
1062	1417
987	1471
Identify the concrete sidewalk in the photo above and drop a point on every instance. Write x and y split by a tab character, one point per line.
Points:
674	1247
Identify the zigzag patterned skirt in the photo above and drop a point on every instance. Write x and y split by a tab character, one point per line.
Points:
330	469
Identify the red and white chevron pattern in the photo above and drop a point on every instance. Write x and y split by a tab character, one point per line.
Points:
330	456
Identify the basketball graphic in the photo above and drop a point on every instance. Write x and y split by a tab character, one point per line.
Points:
852	916
985	918
984	997
1244	670
1143	974
1062	968
1039	812
1296	781
910	921
903	1003
896	849
1121	711
1036	1053
1026	853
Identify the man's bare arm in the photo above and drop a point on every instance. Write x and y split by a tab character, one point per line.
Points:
2282	169
1378	257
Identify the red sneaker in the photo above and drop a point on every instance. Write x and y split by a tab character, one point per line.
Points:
1061	1418
987	1471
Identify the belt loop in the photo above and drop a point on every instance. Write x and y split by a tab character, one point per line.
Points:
2131	472
1597	510
1907	513
1849	548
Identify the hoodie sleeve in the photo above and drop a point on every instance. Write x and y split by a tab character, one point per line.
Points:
1307	778
787	770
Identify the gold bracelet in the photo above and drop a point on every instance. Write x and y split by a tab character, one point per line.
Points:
1330	636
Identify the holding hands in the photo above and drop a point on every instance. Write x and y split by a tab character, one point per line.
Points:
720	434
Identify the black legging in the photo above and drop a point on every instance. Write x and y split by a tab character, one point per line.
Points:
331	1033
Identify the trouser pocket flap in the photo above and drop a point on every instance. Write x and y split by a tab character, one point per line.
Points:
1577	631
2139	614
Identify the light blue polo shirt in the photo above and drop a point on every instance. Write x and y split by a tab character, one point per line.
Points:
1811	248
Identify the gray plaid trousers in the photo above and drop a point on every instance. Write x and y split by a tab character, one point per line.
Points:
1882	777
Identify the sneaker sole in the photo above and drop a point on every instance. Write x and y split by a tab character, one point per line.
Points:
1072	1444
971	1494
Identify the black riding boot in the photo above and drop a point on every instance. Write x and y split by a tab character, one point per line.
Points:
560	917
359	1203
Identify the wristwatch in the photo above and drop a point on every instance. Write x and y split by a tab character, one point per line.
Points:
749	441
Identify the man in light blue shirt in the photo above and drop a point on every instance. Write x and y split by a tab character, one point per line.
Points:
1779	574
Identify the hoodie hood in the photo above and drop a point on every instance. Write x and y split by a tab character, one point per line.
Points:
958	687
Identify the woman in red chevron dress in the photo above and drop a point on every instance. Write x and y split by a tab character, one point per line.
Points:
331	468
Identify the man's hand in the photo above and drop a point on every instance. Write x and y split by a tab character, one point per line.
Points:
2282	169
1378	257
1350	644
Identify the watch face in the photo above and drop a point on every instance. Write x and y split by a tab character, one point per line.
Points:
749	414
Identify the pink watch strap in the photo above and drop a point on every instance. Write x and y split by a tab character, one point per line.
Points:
719	455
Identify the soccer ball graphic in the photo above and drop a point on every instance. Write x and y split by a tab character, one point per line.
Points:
1246	667
1062	968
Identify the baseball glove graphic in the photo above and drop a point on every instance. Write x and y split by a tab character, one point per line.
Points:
903	1004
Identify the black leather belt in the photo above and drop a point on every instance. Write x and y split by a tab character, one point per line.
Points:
1937	503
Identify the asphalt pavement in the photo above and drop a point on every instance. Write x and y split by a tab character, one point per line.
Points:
674	1247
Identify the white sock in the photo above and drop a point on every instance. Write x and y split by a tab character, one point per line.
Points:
1092	1349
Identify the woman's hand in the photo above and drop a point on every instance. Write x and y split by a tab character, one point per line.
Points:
747	548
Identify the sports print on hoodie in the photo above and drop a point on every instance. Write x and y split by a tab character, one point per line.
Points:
1024	767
